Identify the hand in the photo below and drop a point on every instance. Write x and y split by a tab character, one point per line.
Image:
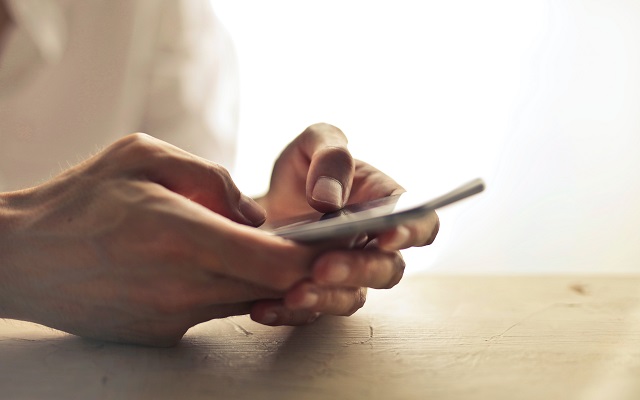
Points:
138	244
316	171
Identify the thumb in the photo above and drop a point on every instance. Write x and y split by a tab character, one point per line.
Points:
331	167
211	185
252	212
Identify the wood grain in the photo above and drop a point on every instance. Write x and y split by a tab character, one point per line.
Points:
432	337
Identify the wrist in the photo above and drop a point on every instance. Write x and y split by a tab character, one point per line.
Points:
12	217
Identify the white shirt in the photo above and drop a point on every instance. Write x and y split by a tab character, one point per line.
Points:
75	75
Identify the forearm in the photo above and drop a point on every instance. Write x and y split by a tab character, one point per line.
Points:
18	210
4	224
8	225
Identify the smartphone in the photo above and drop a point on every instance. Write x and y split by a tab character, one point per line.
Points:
368	217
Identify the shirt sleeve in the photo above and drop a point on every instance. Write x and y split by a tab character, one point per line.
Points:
192	95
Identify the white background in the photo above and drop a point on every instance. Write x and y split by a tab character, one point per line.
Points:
540	98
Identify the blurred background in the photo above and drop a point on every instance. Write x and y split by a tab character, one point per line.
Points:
540	98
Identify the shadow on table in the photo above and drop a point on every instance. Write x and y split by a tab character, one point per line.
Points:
222	359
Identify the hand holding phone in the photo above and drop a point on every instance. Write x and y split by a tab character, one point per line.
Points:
368	217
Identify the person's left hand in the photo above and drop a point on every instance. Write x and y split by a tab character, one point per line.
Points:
316	172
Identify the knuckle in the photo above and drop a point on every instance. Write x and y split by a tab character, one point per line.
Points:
359	299
137	139
128	153
220	172
434	231
321	129
340	155
137	145
220	178
398	271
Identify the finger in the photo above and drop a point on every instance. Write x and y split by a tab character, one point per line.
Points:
325	300
216	311
418	233
195	178
235	291
175	295
250	255
206	241
331	167
372	184
274	313
371	267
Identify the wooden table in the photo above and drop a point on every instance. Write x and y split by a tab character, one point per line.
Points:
432	337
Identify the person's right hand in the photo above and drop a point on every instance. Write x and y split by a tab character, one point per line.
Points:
124	247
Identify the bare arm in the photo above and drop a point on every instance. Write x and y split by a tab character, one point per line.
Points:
5	21
138	244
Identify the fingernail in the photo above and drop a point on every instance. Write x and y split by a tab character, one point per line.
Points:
269	318
328	190
400	239
309	300
337	273
251	210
